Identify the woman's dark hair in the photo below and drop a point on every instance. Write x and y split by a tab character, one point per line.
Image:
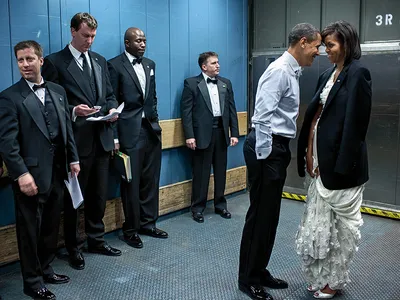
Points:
347	36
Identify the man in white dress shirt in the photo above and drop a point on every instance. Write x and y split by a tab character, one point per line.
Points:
84	76
134	83
208	113
267	155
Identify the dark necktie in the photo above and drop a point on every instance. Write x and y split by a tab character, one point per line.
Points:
137	60
85	66
212	80
39	86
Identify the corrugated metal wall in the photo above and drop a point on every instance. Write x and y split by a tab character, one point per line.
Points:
177	31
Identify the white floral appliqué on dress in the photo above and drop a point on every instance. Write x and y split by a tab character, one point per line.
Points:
328	234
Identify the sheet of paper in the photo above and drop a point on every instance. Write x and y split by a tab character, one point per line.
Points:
74	190
109	116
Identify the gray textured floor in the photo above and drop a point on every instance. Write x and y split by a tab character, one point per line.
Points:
200	261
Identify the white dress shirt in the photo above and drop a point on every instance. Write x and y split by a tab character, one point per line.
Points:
214	96
141	75
40	93
277	103
79	61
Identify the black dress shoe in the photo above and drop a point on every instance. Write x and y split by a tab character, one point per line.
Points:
154	232
271	282
133	240
55	278
40	294
255	291
76	261
198	217
105	250
223	213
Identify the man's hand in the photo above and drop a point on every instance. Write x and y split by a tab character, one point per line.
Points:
116	147
27	185
75	169
115	118
82	110
234	141
191	143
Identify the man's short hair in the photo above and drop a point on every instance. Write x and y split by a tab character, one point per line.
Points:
204	56
29	44
302	30
347	36
84	17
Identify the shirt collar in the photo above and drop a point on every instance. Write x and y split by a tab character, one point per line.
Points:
31	84
206	76
294	65
76	53
130	56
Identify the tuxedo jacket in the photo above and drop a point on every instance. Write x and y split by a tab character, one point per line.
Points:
61	68
25	144
126	87
197	113
343	124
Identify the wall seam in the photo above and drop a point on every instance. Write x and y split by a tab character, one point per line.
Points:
48	24
171	102
10	39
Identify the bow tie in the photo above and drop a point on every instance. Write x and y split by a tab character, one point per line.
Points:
212	80
39	86
137	60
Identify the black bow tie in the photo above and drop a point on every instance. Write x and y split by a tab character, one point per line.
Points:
39	86
212	80
137	60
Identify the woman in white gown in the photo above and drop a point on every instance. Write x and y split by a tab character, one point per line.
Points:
332	141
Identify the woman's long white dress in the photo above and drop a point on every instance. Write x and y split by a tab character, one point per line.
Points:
328	234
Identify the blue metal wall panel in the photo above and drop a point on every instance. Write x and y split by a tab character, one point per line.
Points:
198	33
107	42
217	33
55	36
132	14
68	9
179	52
28	24
236	56
158	50
6	54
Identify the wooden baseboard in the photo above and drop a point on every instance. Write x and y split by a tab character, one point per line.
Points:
172	131
173	197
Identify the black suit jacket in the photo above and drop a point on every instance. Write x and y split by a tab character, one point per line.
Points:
197	114
341	146
127	89
61	68
25	143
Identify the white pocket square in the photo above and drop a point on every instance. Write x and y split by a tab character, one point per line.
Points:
151	72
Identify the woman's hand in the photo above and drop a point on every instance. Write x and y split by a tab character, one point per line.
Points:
309	162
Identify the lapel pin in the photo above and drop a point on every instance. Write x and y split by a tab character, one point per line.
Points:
60	99
224	86
147	67
338	80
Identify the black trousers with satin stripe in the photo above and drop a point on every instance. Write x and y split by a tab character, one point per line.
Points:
216	155
37	224
266	179
93	180
140	197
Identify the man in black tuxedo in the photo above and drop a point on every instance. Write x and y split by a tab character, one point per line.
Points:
84	76
133	80
37	145
208	112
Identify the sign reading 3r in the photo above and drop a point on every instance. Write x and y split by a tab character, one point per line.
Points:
386	20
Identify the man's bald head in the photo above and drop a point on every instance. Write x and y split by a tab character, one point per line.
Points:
135	41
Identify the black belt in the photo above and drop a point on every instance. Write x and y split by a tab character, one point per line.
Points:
217	122
280	139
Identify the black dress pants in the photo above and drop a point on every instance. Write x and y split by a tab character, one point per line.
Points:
216	155
140	197
266	180
37	224
93	181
